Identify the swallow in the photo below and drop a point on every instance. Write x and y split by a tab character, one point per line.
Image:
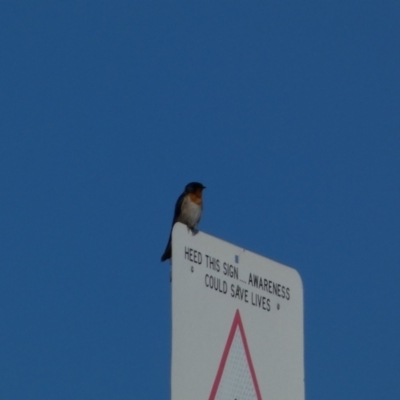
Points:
188	210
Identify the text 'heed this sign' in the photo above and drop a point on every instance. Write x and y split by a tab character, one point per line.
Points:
237	323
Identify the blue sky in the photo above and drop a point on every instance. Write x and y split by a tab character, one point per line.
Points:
287	112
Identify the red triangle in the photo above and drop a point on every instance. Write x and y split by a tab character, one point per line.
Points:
237	323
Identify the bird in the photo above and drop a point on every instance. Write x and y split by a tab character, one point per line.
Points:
188	209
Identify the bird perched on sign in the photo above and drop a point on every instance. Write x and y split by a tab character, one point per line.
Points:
188	210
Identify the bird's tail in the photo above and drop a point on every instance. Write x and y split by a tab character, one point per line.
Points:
168	251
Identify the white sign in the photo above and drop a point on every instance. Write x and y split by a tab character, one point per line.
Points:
237	323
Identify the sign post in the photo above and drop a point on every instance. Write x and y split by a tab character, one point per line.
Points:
237	323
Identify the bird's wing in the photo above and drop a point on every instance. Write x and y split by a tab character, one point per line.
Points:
178	208
177	213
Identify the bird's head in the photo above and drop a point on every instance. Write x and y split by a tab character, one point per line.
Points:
194	188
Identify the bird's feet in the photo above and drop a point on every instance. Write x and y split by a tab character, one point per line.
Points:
194	231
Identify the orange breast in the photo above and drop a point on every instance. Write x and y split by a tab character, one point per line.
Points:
196	197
